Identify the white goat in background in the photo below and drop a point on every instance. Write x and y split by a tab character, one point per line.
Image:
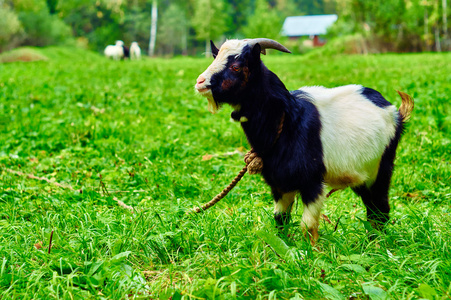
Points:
115	52
135	51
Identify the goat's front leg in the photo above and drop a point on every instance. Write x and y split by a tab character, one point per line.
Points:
283	203
313	202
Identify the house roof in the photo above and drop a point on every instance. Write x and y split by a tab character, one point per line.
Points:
307	25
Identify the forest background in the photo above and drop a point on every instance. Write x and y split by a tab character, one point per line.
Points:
184	27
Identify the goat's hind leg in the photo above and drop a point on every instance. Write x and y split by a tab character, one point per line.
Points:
379	195
375	198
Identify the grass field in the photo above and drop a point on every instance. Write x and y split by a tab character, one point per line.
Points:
135	132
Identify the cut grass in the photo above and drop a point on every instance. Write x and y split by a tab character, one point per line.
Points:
136	132
22	55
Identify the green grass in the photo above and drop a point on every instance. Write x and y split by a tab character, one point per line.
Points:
136	132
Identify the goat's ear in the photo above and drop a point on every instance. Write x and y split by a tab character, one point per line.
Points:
255	54
214	50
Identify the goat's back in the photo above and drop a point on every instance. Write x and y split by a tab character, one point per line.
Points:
355	131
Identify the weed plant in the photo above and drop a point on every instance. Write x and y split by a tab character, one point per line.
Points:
134	131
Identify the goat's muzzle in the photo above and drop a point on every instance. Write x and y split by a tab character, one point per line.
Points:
200	85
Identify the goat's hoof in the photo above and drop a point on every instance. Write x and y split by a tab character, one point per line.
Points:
312	235
282	219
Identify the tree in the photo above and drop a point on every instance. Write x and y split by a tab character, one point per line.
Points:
208	21
314	7
27	5
266	22
406	25
287	8
52	5
238	11
173	27
153	28
445	25
101	23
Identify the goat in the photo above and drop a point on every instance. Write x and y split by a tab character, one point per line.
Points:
340	137
126	52
135	51
116	51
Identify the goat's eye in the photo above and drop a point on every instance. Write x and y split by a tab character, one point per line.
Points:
235	68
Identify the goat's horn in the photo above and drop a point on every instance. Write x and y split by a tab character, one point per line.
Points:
268	44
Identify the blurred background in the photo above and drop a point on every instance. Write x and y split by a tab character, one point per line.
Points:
184	27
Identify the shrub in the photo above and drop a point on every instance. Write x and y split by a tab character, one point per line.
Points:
43	29
11	29
299	46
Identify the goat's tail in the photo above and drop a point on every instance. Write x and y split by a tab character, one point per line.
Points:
406	106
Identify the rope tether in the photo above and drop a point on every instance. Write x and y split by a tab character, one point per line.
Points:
254	164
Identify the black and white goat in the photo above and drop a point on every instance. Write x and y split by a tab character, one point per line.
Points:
339	137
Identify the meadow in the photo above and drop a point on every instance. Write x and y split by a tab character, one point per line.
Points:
120	150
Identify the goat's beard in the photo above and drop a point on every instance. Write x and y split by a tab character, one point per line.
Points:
213	106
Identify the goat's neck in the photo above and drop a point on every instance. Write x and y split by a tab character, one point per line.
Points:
264	109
